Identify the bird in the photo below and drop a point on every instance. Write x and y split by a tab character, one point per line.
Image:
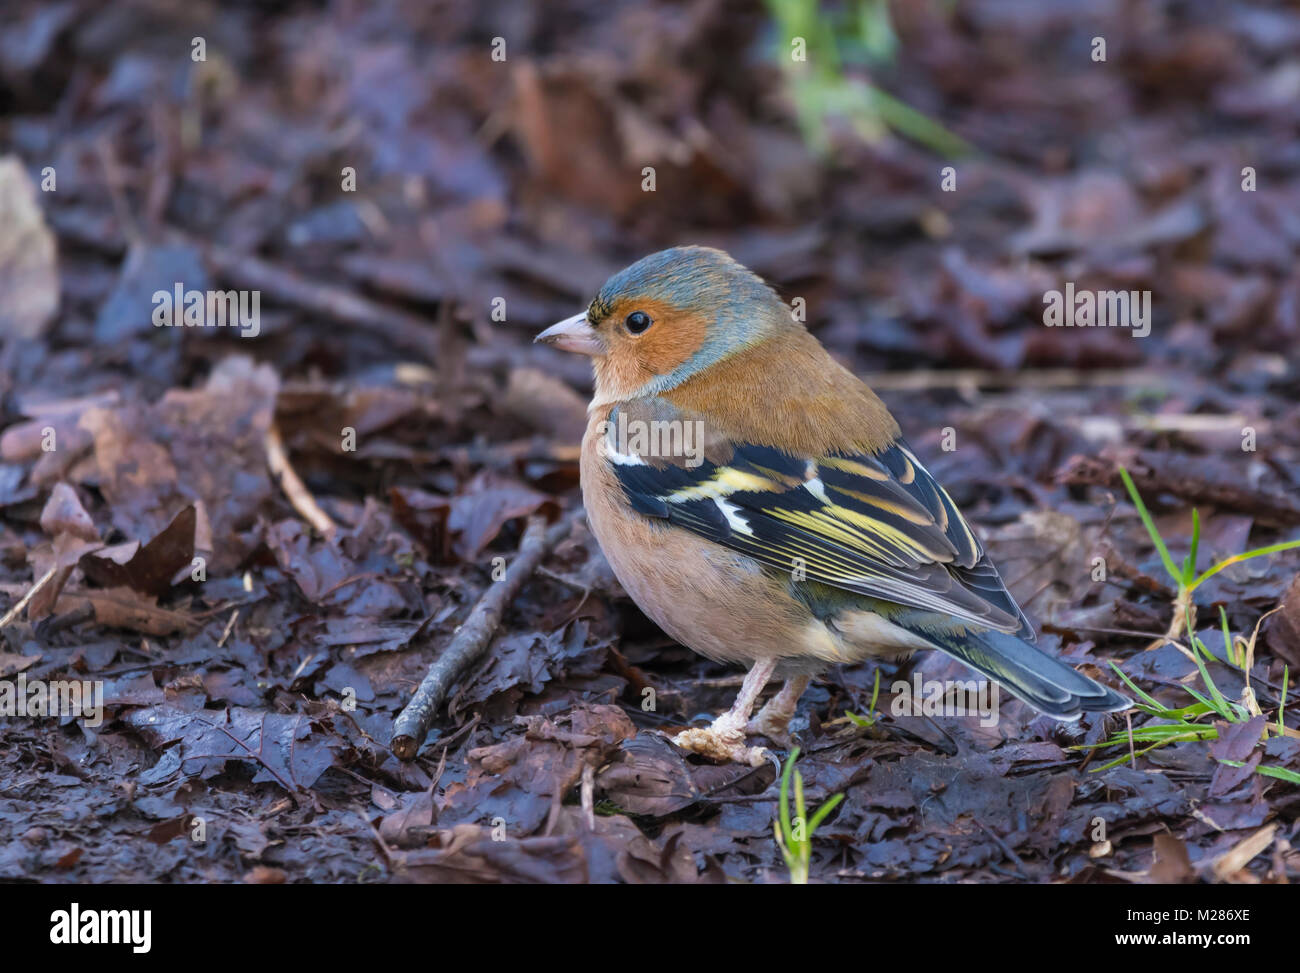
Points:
759	503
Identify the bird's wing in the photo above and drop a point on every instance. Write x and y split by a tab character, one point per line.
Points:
876	524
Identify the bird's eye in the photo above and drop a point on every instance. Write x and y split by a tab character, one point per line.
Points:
637	322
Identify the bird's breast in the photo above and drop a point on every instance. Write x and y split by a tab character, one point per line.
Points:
719	602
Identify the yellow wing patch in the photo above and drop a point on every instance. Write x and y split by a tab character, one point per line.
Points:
725	481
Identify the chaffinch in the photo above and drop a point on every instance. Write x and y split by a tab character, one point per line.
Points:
757	501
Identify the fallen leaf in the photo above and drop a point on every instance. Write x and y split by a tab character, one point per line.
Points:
29	274
148	569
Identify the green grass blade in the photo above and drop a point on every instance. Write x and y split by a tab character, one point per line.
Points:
1134	686
1281	706
821	812
1125	759
1229	650
1237	558
1189	562
1150	525
1210	707
905	119
1199	649
784	808
1281	773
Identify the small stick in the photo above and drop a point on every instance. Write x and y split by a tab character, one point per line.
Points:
303	502
1238	857
14	612
319	297
406	330
230	626
588	795
472	639
924	379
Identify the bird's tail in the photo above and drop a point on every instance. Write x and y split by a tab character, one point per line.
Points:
1042	681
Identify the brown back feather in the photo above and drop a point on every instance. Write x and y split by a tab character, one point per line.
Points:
789	393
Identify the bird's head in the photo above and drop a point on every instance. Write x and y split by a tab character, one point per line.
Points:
668	317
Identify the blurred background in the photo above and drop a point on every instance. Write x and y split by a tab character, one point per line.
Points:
521	178
415	189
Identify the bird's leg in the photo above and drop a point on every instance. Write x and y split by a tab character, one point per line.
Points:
724	739
773	720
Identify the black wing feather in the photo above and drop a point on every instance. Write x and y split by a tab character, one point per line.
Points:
875	524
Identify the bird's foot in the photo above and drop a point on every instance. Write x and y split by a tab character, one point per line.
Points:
772	722
724	739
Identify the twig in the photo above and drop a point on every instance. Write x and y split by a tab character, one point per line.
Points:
1239	856
1016	862
1182	477
925	379
472	639
17	609
318	297
230	626
303	502
452	740
406	330
379	838
588	795
115	180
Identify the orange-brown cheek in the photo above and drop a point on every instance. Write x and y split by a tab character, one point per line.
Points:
673	338
635	360
670	343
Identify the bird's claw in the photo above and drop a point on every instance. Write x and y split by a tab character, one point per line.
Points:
723	740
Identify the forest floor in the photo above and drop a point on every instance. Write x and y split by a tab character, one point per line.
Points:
249	702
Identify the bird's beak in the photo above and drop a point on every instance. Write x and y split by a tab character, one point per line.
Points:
573	334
